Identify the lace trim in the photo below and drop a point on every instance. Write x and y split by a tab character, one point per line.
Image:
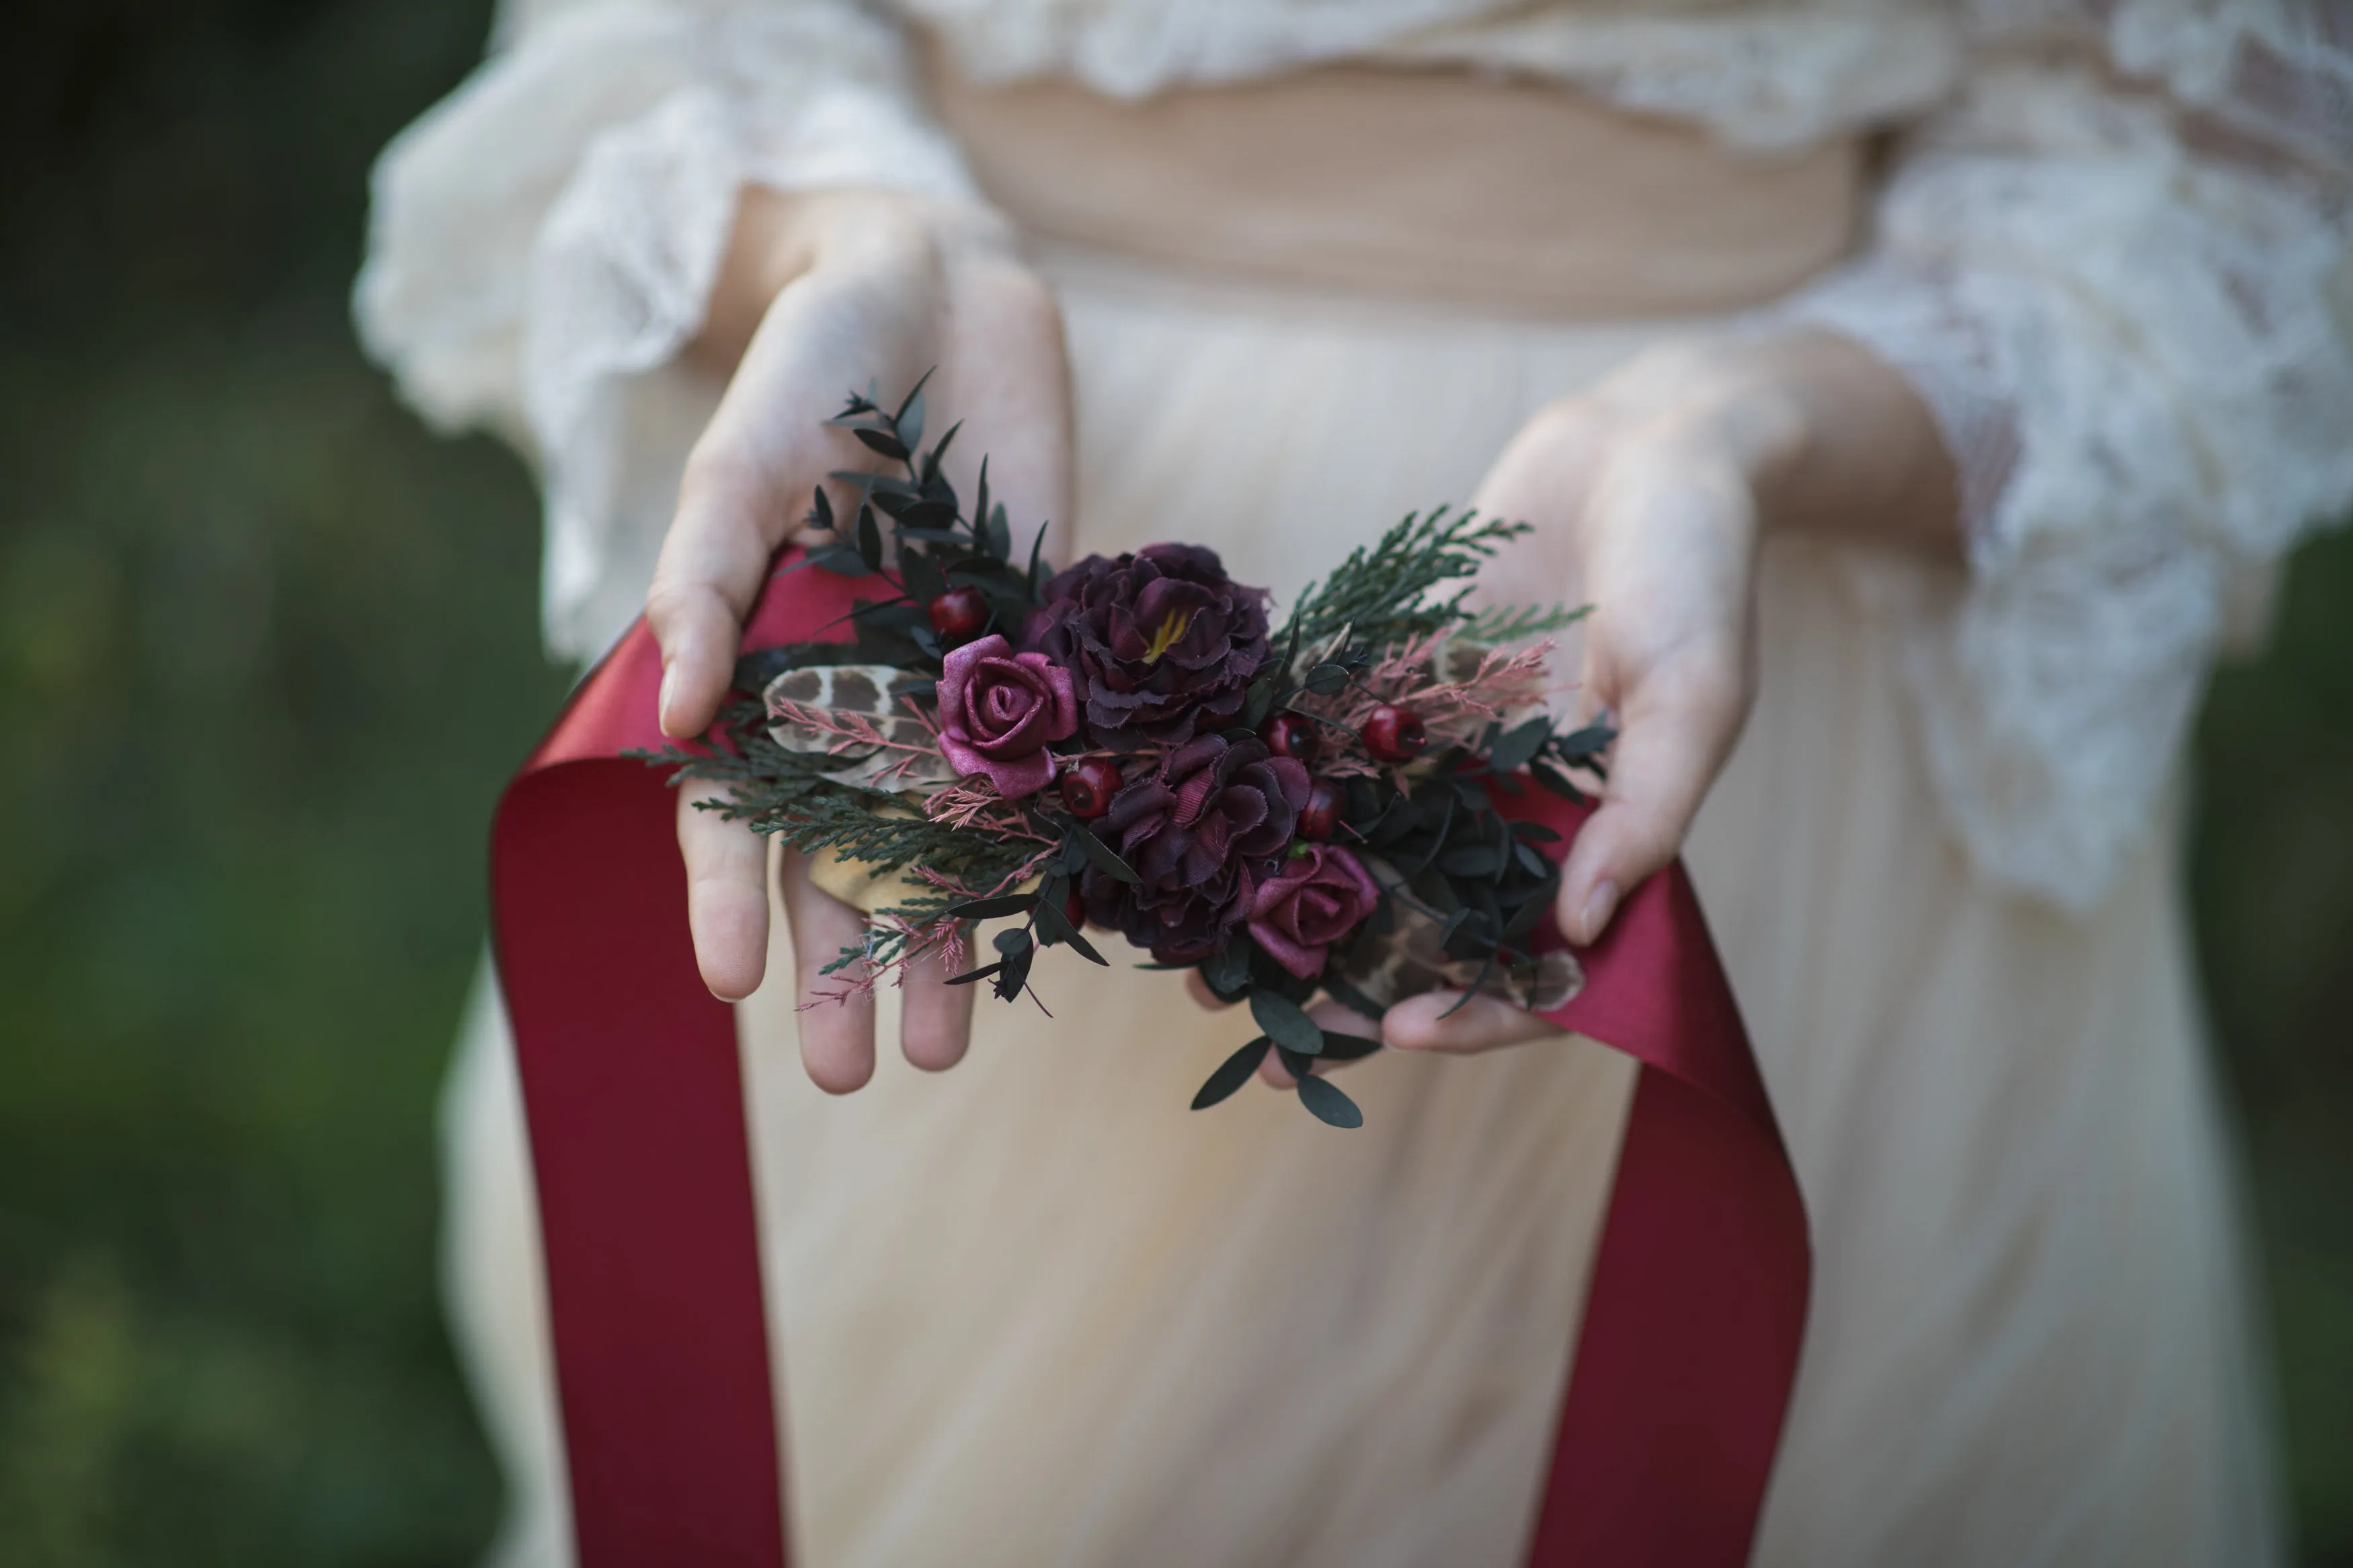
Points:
2132	356
549	235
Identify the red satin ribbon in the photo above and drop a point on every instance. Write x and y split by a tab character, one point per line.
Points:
640	1140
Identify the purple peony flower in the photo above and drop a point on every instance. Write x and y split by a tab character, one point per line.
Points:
1178	925
999	710
1203	831
1315	899
1162	642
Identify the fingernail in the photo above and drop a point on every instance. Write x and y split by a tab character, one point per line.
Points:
661	700
1599	905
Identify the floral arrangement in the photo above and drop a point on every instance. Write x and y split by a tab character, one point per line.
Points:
1134	744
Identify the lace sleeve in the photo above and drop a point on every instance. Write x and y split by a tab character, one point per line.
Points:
546	238
2133	320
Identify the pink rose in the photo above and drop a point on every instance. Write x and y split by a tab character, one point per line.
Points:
1312	903
998	711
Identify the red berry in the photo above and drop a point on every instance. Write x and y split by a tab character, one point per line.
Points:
958	615
1290	735
1074	910
1320	817
1394	734
1087	786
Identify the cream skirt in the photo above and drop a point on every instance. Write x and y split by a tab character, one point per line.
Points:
1035	1312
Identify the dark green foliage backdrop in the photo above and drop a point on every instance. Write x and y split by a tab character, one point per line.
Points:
266	651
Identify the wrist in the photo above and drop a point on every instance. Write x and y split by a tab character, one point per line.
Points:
1828	436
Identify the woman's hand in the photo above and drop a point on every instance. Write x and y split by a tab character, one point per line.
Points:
1649	494
822	292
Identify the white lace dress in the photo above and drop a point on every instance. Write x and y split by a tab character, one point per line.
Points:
1033	1313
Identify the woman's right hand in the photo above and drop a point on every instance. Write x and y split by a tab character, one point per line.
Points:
821	293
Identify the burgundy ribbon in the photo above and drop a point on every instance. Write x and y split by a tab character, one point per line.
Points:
631	1080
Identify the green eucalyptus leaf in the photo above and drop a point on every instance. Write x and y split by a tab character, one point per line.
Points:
1257	700
939	452
843	562
1286	1022
1016	973
1227	971
1591	741
922	575
1340	1048
1556	782
1511	751
881	441
1054	925
1523	918
1329	1103
1231	1074
910	419
914	397
1105	860
1479	860
1031	578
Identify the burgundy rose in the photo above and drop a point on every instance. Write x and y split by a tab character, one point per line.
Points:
999	710
1316	899
1202	832
1162	642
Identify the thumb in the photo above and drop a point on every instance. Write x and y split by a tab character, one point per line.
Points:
1669	751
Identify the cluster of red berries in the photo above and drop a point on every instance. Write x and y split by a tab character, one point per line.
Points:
1392	733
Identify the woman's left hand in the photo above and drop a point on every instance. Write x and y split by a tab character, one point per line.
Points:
1649	494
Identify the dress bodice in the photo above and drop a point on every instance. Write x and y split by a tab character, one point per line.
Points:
2110	246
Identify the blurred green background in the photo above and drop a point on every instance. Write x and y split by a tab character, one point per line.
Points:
267	650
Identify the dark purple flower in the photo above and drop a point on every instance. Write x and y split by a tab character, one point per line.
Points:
1316	899
1162	642
1179	925
1203	831
999	709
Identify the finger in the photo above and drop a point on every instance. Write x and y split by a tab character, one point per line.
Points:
747	483
837	1015
1332	1015
1444	1021
1674	735
1010	383
935	1026
726	893
1542	477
